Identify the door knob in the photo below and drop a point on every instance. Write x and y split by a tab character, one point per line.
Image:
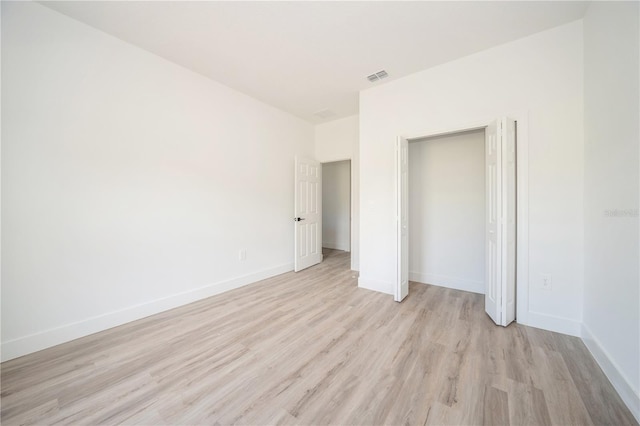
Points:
298	219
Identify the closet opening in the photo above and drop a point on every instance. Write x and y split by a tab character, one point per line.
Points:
456	214
447	211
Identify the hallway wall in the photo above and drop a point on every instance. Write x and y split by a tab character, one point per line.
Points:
336	205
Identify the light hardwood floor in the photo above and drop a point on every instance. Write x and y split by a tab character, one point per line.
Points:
312	348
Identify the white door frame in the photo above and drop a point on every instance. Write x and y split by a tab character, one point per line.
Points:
522	197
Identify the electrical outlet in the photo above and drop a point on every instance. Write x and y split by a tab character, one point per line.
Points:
545	281
242	255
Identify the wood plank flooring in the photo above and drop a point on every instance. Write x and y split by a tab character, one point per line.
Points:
312	348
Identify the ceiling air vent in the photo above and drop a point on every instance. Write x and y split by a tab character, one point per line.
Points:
377	76
325	113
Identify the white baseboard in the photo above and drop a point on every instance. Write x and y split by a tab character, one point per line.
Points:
629	396
553	323
55	336
344	246
376	285
449	282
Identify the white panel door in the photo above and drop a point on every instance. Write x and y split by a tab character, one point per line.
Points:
500	275
402	216
307	213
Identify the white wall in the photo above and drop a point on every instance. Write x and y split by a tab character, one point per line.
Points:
611	182
537	80
338	140
129	184
447	211
336	205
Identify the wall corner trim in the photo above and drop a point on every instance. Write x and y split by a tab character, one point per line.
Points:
620	383
463	284
340	245
45	339
553	323
376	285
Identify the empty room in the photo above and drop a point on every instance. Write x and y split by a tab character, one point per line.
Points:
320	213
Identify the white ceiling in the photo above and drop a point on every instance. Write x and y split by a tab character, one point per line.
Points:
306	57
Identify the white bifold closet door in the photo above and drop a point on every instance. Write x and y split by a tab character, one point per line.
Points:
500	241
402	219
500	236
